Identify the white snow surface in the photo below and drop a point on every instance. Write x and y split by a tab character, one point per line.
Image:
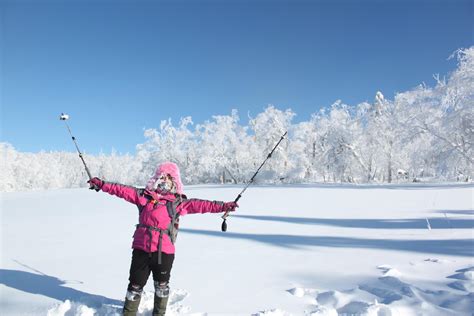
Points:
289	250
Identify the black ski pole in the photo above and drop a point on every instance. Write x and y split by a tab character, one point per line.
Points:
65	117
226	214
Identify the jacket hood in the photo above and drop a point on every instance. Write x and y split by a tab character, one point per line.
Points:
166	168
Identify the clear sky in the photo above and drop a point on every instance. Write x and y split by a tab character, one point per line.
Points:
117	67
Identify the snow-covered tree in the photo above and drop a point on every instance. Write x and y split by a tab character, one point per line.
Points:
170	143
426	133
223	148
267	128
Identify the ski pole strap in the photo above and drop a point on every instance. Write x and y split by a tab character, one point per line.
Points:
159	246
160	238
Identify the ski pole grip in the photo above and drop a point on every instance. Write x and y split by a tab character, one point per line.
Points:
227	213
224	224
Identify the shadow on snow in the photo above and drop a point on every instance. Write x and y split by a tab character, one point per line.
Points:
455	247
406	223
51	287
457	212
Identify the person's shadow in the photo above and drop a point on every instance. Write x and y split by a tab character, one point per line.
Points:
51	287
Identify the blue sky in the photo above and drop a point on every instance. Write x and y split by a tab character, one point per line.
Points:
117	67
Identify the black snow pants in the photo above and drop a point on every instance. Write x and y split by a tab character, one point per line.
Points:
144	263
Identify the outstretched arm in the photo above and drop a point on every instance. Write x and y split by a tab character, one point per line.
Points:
195	206
125	192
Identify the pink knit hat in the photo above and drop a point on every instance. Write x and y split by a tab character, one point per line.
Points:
167	168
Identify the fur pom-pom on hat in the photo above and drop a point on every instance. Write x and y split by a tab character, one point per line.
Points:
166	168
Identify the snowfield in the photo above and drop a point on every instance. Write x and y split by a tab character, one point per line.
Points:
289	250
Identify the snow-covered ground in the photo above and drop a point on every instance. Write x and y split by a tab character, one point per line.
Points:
299	250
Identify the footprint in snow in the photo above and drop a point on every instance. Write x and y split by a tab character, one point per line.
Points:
464	274
389	288
332	298
465	280
354	308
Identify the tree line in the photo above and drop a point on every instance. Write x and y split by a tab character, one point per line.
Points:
424	134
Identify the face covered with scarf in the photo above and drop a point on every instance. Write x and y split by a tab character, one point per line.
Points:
165	184
166	172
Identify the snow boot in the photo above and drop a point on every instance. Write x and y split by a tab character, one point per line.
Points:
130	308
132	300
162	292
159	308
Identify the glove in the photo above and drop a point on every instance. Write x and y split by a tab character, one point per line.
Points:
95	184
229	207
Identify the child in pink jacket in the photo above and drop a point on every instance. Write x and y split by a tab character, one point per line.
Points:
160	204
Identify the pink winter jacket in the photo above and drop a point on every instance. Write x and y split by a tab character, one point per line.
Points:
153	212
